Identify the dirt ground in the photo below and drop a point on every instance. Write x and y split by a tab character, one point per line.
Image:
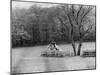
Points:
28	59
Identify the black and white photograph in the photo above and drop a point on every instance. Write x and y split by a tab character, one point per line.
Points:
52	37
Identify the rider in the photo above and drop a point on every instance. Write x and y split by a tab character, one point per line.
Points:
53	46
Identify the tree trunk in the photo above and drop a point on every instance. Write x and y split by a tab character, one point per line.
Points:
73	45
79	47
72	35
21	41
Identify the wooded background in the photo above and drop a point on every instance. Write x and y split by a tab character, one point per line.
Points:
38	25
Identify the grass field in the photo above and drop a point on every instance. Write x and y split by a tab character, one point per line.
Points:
28	59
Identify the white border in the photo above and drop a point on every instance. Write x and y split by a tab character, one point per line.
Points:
5	36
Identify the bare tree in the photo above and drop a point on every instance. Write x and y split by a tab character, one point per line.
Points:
78	17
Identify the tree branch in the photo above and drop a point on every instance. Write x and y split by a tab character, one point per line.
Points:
73	14
84	14
79	11
88	30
